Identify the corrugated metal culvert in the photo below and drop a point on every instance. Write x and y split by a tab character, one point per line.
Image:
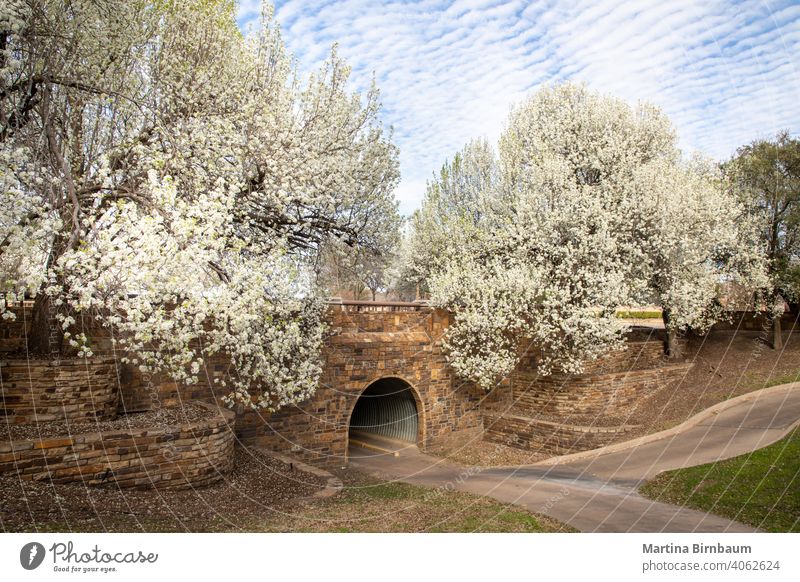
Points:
387	408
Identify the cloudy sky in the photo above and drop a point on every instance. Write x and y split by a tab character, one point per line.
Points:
725	72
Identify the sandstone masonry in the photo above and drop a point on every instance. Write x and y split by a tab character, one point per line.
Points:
188	455
41	390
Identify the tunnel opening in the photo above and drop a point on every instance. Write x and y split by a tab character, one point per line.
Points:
386	408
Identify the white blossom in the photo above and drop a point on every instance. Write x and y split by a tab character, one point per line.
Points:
174	180
590	208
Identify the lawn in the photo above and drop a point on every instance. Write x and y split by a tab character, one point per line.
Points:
761	489
259	495
369	505
639	314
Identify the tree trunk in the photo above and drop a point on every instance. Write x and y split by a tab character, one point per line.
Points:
46	338
670	344
777	337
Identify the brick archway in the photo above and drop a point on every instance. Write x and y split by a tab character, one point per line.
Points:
365	347
388	386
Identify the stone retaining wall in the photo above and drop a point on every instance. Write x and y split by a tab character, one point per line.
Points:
366	346
637	355
41	390
141	392
523	415
13	331
189	455
548	437
613	394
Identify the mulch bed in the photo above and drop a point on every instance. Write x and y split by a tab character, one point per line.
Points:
259	488
725	366
160	418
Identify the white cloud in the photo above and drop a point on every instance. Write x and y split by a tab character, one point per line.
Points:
725	72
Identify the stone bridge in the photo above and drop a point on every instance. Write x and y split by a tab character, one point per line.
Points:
385	374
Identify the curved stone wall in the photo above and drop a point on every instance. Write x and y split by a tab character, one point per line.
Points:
611	393
40	390
548	437
188	455
562	414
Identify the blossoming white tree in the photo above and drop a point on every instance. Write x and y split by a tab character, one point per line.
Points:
173	179
591	208
695	237
451	212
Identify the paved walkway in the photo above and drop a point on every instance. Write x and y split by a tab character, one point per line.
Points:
596	491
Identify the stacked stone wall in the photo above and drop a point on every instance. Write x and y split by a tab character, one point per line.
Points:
543	436
41	390
589	395
187	455
561	414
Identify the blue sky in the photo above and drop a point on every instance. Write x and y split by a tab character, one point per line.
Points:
725	72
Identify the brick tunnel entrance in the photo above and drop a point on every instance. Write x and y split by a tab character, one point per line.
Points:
387	408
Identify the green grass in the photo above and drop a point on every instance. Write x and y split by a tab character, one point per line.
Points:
503	521
638	314
368	506
757	381
761	489
364	505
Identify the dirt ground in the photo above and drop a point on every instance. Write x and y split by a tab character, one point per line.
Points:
259	487
261	494
725	366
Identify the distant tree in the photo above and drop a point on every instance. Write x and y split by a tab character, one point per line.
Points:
402	284
344	268
766	174
451	210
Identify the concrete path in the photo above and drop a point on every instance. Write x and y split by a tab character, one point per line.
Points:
596	491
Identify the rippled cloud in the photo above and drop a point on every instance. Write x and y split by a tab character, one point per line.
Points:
725	72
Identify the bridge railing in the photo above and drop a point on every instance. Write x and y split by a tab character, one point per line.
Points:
353	305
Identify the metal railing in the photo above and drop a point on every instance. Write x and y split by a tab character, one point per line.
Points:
379	306
12	300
